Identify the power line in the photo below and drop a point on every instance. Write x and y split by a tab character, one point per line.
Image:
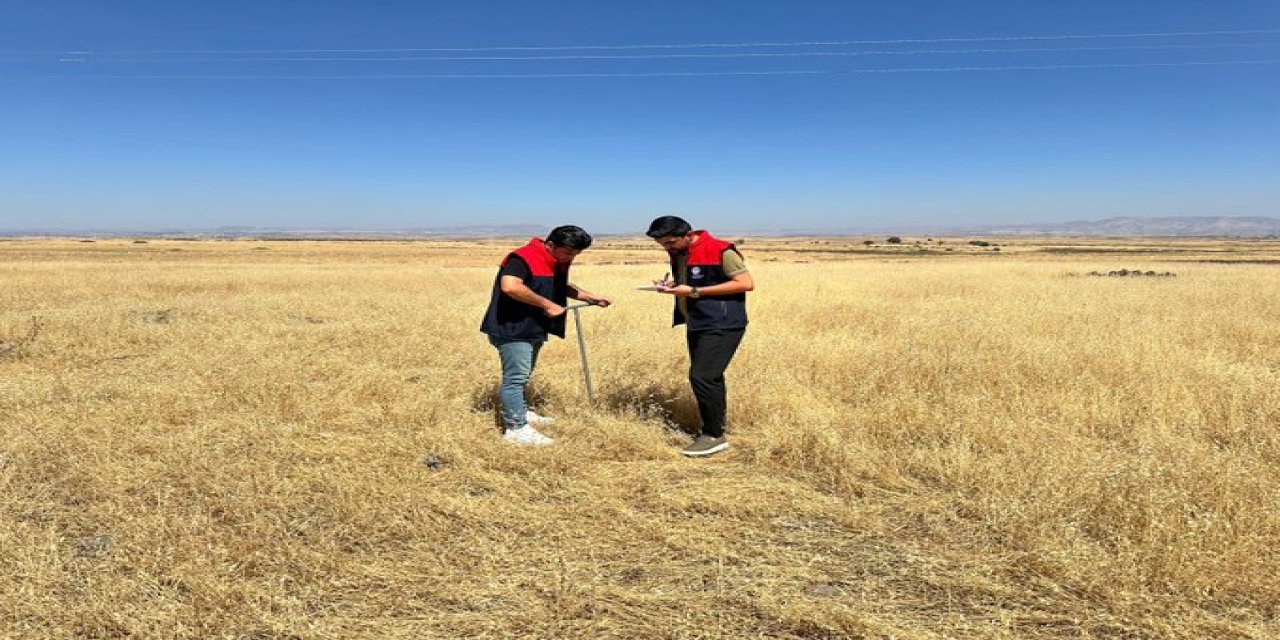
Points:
661	74
666	56
817	43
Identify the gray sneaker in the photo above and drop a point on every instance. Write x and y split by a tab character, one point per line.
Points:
705	446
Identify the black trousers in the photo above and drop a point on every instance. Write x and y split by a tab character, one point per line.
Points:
709	355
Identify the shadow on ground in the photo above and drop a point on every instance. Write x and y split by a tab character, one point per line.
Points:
675	408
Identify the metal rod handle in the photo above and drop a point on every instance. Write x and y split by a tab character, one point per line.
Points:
582	350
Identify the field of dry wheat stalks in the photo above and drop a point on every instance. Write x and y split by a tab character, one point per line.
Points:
932	439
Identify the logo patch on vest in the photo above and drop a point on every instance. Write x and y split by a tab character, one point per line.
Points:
696	272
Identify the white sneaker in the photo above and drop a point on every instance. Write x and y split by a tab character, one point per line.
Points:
532	418
526	436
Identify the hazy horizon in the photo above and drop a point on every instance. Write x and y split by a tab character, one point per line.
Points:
1271	225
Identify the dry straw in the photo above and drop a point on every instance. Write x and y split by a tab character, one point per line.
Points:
295	440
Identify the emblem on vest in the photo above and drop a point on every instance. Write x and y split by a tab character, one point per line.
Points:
696	272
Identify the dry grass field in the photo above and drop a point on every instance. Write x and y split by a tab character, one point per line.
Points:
295	439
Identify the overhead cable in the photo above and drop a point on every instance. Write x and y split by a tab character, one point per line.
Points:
815	43
660	74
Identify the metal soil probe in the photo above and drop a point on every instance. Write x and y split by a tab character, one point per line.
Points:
582	349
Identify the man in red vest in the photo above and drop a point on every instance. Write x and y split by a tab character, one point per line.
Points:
527	304
710	284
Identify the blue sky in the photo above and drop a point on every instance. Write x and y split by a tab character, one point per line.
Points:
159	115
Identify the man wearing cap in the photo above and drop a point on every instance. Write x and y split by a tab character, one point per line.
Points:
527	304
710	282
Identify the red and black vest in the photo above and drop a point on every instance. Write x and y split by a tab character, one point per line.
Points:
705	268
508	318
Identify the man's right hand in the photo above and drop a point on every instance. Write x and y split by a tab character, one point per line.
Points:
552	310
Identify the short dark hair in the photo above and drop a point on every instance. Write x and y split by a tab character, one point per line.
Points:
570	236
668	226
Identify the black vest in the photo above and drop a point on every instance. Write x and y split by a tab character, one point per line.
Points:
508	318
706	268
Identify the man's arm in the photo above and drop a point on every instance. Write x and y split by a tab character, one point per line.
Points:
518	290
742	282
578	293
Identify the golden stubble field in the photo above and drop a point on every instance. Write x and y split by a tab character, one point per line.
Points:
269	439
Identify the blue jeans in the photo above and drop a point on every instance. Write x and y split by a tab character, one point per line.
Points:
519	357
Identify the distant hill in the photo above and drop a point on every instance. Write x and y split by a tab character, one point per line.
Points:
1131	226
470	231
465	231
1124	226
